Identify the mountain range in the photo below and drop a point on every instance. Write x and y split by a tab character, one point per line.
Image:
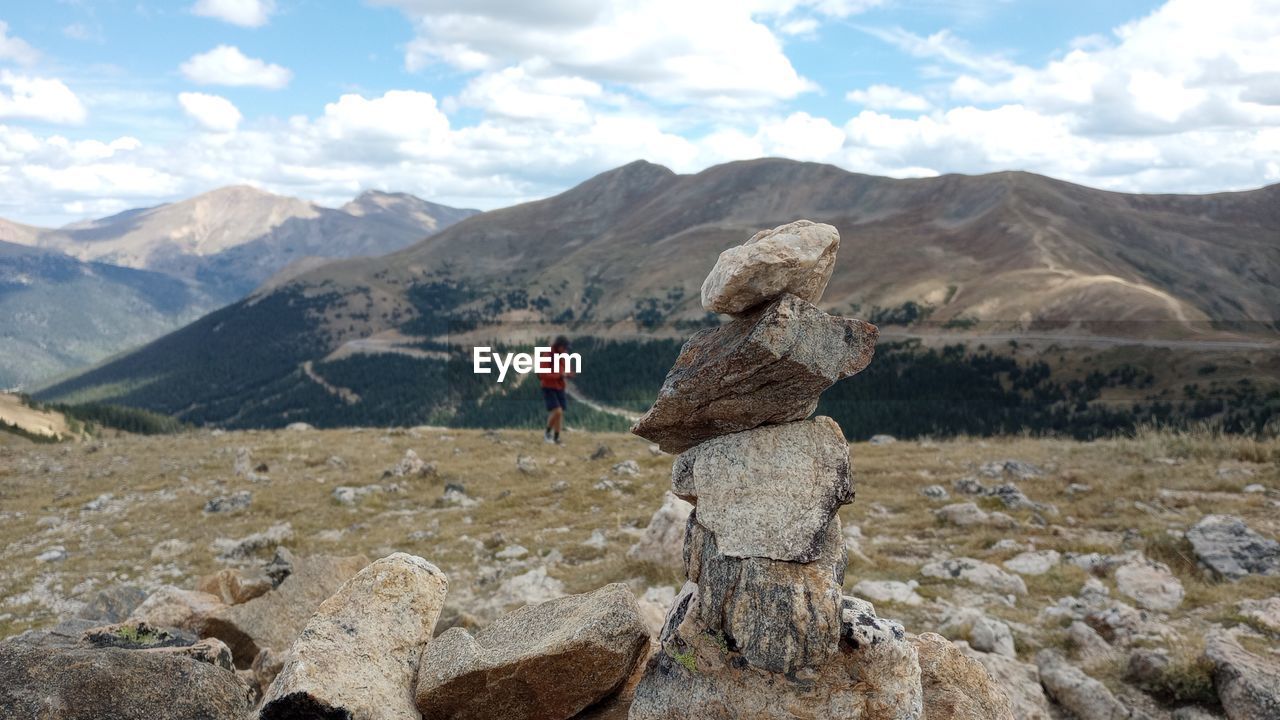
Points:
76	294
624	253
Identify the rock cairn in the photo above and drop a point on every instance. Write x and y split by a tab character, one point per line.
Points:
761	628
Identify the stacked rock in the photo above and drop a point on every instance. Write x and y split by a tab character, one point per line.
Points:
761	628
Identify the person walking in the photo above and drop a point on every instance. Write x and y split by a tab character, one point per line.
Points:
553	393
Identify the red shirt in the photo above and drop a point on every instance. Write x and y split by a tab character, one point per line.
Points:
552	380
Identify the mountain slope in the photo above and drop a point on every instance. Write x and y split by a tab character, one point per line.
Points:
625	253
57	312
234	238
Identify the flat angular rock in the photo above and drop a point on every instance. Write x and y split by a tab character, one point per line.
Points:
1248	685
777	616
768	492
358	655
274	620
1085	697
1020	682
1231	549
764	368
81	683
544	662
171	607
795	258
956	687
1150	584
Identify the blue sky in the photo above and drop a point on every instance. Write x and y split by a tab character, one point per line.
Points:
110	104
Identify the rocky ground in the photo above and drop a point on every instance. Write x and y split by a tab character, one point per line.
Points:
1046	558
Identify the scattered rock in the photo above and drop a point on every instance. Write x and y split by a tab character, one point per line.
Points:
1020	682
549	660
663	540
229	503
956	687
766	367
359	652
982	631
628	468
1090	647
512	552
602	452
1016	469
969	515
1231	549
113	604
526	464
1264	613
882	440
57	553
795	258
230	550
1147	667
1033	562
1248	685
299	427
172	549
534	586
977	573
275	619
348	495
1150	584
935	492
411	466
457	496
890	591
1083	696
768	492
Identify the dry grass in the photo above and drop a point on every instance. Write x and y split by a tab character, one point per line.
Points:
1142	488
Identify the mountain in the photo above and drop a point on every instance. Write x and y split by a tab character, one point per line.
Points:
624	253
58	313
75	295
234	238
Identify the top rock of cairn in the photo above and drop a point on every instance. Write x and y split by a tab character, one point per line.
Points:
795	258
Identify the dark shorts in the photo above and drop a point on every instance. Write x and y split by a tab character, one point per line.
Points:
554	398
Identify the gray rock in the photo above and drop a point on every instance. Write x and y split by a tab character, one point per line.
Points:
1020	682
545	661
935	492
1090	647
228	503
1248	685
795	258
969	515
955	686
274	620
1231	549
1016	469
1263	613
359	653
889	591
882	440
81	683
764	368
1083	696
983	632
1147	667
977	573
1150	584
172	607
768	492
662	543
1033	562
750	599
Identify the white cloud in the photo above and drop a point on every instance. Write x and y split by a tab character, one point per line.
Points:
888	97
245	13
15	49
226	65
213	112
34	98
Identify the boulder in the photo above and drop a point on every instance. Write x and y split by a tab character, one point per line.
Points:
956	687
983	632
663	540
1231	549
84	683
1248	685
1020	682
113	604
1033	562
889	591
1150	584
275	619
764	368
1263	613
768	492
969	515
358	654
795	258
1083	696
975	572
542	662
171	607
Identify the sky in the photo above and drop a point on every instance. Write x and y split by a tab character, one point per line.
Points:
112	104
